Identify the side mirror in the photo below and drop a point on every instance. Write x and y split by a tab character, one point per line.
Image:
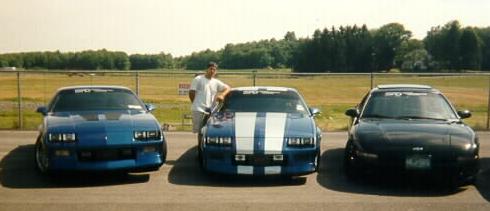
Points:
150	107
315	111
352	112
464	114
43	110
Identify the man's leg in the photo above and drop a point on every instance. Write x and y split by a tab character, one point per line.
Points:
197	124
197	118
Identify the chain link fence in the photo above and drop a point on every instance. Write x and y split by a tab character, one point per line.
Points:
23	91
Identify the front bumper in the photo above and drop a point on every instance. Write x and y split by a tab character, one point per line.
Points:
141	157
463	166
295	162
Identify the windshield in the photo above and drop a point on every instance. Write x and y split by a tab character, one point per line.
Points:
87	99
264	101
409	105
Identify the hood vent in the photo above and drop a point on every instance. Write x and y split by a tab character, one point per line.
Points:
90	117
113	116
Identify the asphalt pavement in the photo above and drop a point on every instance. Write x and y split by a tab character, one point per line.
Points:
180	184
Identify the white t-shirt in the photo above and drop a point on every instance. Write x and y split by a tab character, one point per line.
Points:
206	90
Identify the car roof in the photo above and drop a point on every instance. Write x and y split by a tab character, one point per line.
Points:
263	88
404	87
93	87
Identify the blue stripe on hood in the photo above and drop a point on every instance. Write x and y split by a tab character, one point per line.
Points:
259	139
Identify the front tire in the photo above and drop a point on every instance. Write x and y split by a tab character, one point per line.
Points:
42	158
351	169
317	161
164	152
199	146
202	161
203	164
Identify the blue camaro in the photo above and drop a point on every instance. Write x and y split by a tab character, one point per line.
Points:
99	128
261	131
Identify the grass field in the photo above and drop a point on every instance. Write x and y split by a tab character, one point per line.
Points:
333	94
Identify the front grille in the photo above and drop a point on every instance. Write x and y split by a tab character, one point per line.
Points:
105	155
260	160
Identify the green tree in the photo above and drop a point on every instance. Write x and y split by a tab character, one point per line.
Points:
451	44
54	60
387	41
406	47
200	60
416	60
484	36
443	44
290	37
470	50
3	61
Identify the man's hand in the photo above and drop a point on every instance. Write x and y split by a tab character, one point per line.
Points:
220	98
192	95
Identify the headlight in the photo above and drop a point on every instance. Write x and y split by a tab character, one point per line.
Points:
470	146
61	137
300	141
222	141
147	135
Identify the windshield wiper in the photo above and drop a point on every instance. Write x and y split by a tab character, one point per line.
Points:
377	116
420	117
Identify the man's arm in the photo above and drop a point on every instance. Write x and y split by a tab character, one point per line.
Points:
222	95
192	90
192	95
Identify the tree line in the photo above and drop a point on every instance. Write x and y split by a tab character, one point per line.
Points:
87	60
343	49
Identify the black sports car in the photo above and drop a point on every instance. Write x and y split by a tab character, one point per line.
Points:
411	128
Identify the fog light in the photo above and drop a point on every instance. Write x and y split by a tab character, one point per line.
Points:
149	149
240	158
367	155
62	153
278	157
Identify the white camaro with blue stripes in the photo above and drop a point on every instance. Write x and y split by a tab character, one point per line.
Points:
261	131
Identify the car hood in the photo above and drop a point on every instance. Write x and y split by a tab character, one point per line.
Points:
413	133
259	132
277	125
101	127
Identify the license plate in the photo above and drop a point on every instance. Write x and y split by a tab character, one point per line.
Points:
417	162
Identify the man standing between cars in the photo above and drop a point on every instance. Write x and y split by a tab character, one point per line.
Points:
205	90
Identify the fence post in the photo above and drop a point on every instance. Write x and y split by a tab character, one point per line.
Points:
137	79
19	101
372	79
488	105
91	78
254	75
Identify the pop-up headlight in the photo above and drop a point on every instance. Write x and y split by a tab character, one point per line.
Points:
61	137
147	135
221	141
300	141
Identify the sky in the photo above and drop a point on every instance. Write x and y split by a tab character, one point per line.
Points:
180	27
